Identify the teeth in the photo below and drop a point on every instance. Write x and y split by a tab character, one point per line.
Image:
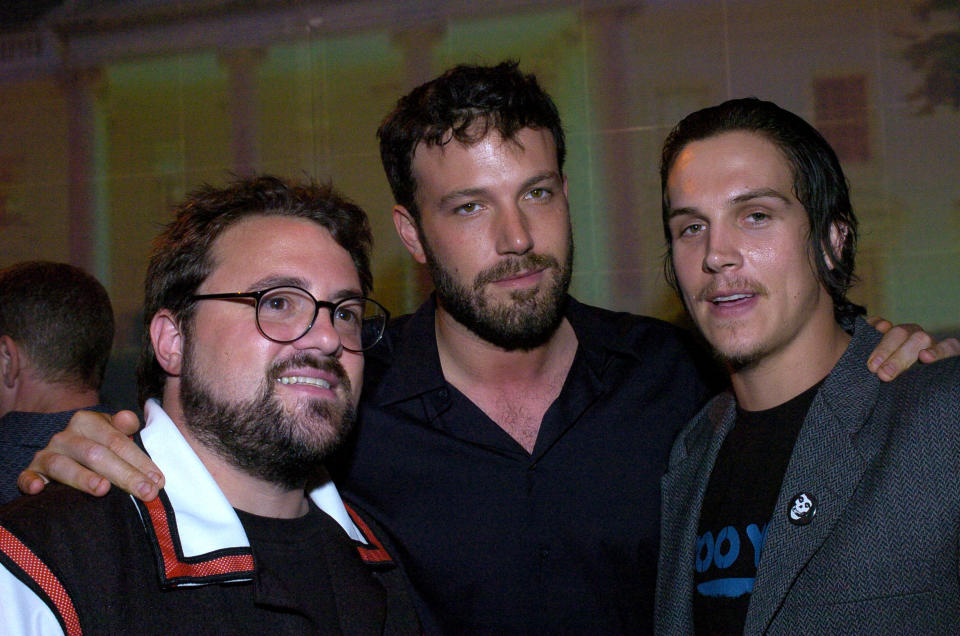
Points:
724	299
300	379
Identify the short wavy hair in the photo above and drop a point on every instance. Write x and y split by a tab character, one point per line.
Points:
181	258
62	318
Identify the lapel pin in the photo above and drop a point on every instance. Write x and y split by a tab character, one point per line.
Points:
803	508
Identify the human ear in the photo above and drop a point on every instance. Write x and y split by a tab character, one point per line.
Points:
409	232
9	361
167	340
838	236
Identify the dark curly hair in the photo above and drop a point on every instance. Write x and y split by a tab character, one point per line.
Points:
464	104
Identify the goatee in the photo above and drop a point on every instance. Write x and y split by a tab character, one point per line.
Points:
528	321
259	436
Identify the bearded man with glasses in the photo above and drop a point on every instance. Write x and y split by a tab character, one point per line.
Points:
244	400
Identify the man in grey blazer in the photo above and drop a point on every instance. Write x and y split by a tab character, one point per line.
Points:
813	498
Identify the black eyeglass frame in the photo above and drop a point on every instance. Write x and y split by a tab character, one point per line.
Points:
329	306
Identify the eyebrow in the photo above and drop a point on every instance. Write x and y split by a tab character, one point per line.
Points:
295	281
744	197
761	193
277	281
472	192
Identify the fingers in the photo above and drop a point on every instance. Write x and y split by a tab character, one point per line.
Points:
124	421
899	349
880	324
944	349
59	468
30	482
93	451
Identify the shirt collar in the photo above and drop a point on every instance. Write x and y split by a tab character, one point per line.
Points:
409	358
196	531
410	348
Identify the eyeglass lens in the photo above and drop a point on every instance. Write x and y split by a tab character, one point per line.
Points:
285	314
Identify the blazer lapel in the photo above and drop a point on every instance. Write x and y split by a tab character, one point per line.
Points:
682	492
828	461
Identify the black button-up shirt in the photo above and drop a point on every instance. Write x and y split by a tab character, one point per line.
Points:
496	540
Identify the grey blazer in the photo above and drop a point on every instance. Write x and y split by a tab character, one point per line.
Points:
881	554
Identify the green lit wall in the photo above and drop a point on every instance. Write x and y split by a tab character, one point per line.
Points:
621	76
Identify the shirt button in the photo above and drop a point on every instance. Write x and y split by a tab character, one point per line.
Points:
443	394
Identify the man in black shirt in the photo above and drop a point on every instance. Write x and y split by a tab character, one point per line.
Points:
814	499
249	381
511	439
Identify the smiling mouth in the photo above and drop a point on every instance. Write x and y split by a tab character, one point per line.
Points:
731	298
302	379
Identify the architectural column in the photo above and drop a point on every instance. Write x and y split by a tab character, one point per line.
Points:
243	66
89	226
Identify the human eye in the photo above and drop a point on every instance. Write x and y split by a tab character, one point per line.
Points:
687	229
757	217
539	194
281	302
350	312
467	209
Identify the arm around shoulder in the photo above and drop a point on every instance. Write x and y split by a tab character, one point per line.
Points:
91	453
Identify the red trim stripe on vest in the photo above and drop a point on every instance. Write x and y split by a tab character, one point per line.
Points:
374	553
45	579
174	567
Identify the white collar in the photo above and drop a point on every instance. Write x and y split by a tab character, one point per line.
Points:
205	520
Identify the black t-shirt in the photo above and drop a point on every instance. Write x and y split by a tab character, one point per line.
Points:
740	497
295	561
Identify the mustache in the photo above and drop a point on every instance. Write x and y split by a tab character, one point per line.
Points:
513	266
305	359
717	284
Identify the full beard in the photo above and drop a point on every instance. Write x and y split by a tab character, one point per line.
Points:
259	436
531	317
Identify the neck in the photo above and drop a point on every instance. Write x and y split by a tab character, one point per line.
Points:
251	494
47	397
799	365
467	357
243	491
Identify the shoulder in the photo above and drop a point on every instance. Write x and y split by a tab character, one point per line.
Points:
935	386
400	335
620	329
694	438
60	515
656	345
50	544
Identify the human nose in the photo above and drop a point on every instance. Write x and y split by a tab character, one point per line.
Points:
513	231
722	251
322	335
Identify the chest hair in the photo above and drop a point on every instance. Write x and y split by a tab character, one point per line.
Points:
519	411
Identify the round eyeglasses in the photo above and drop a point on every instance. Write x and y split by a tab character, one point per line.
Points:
286	314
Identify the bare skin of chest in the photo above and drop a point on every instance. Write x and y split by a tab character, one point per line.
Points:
518	411
513	388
